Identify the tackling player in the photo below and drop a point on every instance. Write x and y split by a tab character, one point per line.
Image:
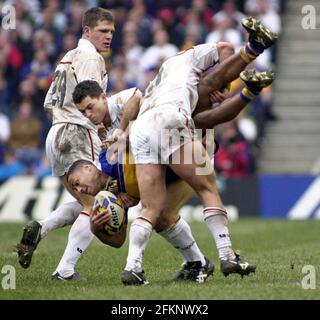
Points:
166	108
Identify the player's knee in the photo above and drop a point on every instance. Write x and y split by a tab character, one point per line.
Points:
164	223
153	207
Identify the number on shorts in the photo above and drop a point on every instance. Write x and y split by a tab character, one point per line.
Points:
59	88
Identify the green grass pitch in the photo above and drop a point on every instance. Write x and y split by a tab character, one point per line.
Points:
279	248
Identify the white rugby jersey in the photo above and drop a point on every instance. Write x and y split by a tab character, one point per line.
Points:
82	63
178	78
116	103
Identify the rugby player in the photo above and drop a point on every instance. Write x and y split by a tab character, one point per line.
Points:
168	104
72	137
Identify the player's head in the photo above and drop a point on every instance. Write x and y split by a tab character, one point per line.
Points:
98	27
90	100
84	177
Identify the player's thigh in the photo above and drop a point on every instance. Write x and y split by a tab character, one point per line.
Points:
197	170
194	166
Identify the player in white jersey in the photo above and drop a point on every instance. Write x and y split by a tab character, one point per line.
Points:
113	112
163	134
72	137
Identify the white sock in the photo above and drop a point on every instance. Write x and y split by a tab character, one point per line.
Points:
217	222
80	236
140	232
180	236
65	215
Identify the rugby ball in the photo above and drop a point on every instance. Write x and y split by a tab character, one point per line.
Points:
106	200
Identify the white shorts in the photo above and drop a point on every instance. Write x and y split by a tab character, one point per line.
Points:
158	133
67	143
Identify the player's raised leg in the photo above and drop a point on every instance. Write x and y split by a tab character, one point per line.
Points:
260	38
255	81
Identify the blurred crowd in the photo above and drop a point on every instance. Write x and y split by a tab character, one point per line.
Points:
147	32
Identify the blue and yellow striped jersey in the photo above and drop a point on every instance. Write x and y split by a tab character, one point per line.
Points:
124	172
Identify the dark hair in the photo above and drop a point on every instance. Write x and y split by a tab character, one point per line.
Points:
86	88
77	165
92	16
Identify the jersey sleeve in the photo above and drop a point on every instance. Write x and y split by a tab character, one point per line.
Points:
48	100
125	95
120	99
205	55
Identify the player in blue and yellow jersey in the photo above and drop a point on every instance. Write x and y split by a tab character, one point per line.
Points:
85	177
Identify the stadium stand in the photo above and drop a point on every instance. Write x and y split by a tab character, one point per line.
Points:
292	144
146	33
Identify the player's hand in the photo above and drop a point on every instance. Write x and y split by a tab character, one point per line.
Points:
115	145
98	219
127	200
217	97
113	187
117	135
102	131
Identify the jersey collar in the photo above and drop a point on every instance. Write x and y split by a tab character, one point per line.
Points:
84	43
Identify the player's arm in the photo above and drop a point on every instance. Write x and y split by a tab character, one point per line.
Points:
121	134
127	200
98	221
130	110
48	100
130	113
